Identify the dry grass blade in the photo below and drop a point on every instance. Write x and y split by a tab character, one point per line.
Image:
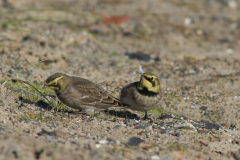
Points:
27	83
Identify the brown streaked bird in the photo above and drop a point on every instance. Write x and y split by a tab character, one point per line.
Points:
82	94
143	95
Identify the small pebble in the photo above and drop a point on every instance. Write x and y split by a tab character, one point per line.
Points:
155	157
118	142
103	141
185	126
187	21
98	145
229	51
117	126
134	141
193	107
233	4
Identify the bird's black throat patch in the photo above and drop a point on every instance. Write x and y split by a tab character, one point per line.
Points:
146	92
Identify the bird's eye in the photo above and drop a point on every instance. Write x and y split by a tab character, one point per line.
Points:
152	78
54	83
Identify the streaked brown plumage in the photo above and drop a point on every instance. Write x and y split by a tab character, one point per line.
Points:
82	94
143	95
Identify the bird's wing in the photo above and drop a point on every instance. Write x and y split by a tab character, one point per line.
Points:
92	94
128	89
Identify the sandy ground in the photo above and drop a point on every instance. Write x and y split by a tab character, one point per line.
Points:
192	46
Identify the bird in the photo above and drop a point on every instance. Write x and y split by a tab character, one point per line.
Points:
82	94
143	95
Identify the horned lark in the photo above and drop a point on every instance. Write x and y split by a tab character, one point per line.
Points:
82	94
143	95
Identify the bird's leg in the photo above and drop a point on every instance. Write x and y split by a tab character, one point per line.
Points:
146	116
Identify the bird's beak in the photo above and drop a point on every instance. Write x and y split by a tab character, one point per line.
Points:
44	86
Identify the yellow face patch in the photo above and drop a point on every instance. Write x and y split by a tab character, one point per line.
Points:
55	81
150	82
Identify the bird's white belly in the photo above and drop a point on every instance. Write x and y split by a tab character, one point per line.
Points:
136	106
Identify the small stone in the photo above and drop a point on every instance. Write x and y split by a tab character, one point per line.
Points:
139	56
193	107
155	157
177	134
191	71
187	21
139	127
117	126
233	4
163	131
229	51
165	116
45	132
98	145
103	141
204	108
157	59
185	126
149	128
10	71
212	125
135	141
49	138
233	25
197	125
170	131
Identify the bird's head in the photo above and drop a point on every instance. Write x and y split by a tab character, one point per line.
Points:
57	82
149	82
